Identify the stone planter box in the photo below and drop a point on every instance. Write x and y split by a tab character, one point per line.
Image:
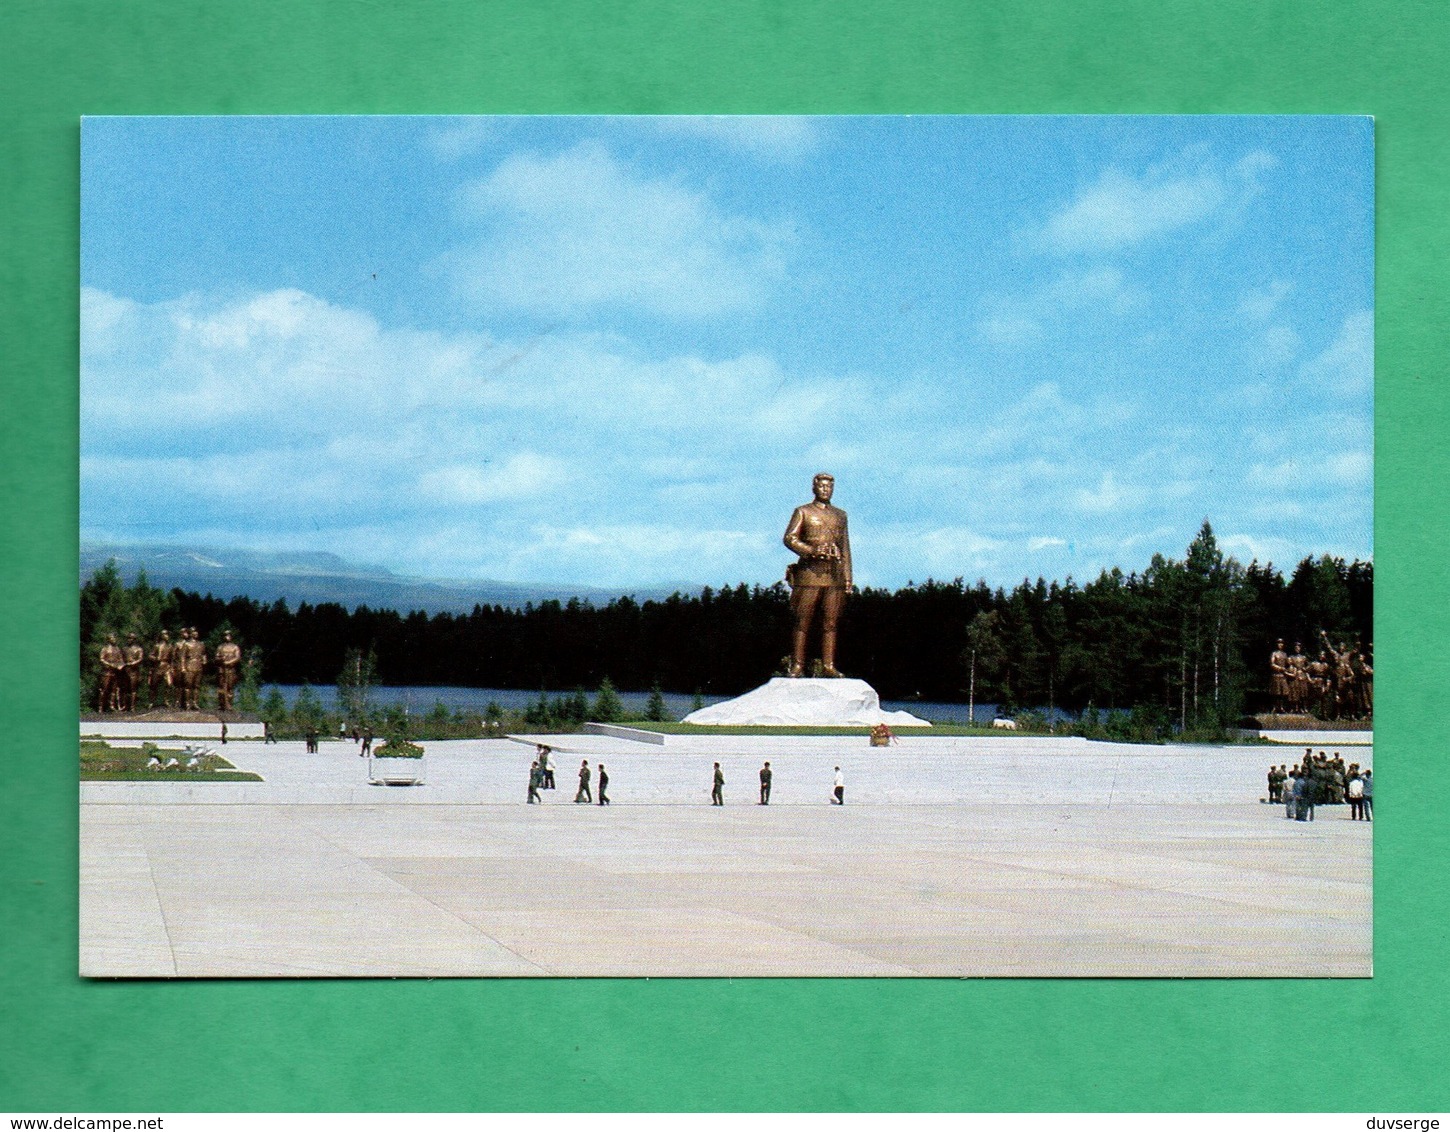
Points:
396	772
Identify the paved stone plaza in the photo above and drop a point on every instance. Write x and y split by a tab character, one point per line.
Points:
974	856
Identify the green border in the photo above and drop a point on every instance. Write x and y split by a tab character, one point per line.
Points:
706	1044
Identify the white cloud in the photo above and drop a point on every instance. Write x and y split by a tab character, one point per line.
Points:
1346	366
282	414
1277	346
577	457
1346	468
456	138
779	137
579	231
1009	330
1087	296
1109	495
1261	305
520	475
626	554
1120	210
937	552
1261	548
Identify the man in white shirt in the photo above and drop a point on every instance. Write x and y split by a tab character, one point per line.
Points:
840	792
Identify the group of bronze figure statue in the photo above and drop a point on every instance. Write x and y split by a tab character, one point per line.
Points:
1336	684
173	672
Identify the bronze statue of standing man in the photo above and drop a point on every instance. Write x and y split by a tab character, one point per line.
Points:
820	581
135	656
161	670
112	672
1279	678
228	663
191	655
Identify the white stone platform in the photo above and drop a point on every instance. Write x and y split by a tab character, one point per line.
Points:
1319	740
972	856
799	702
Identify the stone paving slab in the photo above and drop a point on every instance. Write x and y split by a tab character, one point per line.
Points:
1002	860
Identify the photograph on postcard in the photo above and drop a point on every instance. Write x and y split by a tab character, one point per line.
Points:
726	546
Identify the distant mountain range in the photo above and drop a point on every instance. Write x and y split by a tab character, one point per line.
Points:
322	577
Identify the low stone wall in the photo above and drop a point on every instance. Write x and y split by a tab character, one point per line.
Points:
635	734
1318	739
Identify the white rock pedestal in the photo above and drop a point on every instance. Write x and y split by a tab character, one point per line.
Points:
786	702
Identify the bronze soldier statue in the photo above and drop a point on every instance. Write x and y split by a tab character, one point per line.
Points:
1297	671
1343	676
1279	678
1366	684
134	656
228	661
112	672
192	656
820	581
1321	688
162	679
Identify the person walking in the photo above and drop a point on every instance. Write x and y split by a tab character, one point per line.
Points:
717	792
546	768
838	795
534	779
603	784
585	794
367	747
1368	806
765	777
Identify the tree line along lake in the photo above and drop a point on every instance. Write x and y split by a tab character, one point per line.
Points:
421	700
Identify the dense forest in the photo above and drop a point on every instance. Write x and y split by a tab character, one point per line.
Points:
1187	638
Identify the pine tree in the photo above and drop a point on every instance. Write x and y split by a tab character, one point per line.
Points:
274	707
307	714
655	710
537	714
608	707
249	694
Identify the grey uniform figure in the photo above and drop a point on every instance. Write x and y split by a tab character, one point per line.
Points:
717	792
765	777
584	794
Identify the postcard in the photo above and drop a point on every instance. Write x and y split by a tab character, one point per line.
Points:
727	546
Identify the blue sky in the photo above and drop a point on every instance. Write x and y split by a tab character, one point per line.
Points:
613	351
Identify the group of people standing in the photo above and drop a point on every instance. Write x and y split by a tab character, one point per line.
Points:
173	671
541	777
1319	780
1336	684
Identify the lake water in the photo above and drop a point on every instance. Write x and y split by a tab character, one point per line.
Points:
421	700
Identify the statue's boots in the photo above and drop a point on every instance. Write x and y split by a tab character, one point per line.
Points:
828	653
